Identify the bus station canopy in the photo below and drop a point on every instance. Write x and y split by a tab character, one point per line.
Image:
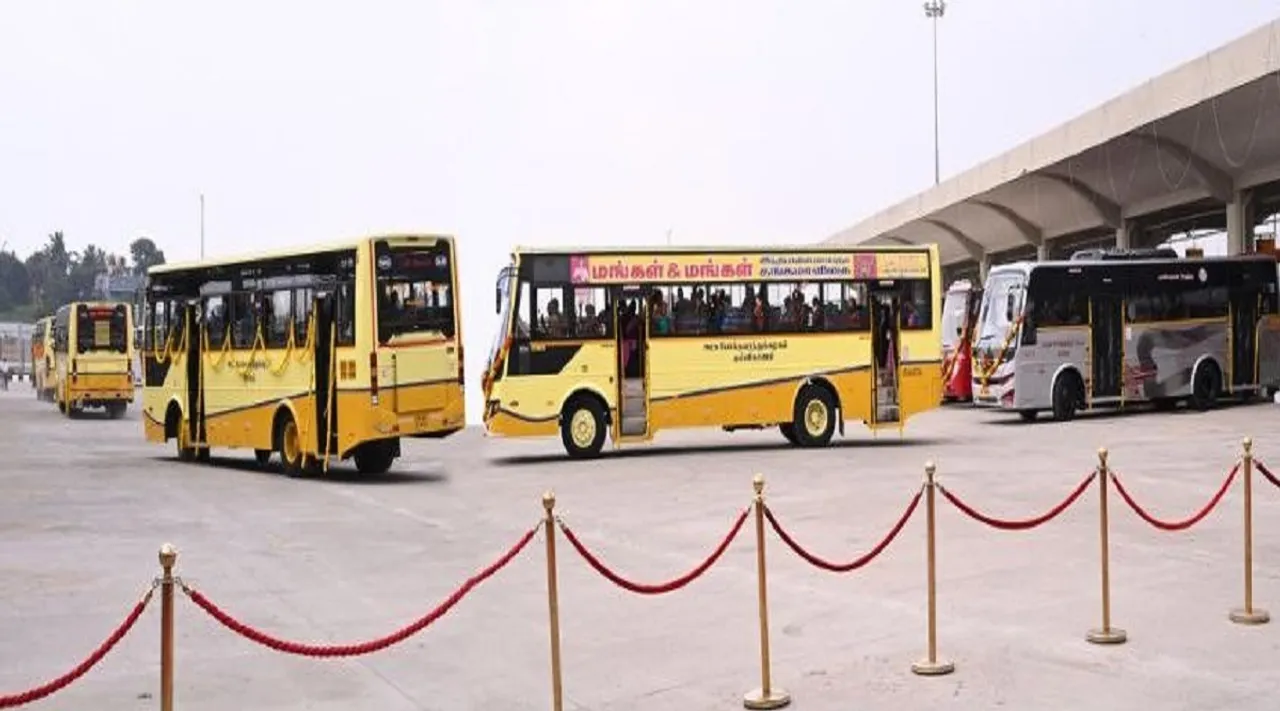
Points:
1180	147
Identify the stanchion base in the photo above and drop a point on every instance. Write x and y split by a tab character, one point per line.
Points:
925	667
775	699
1250	617
1114	635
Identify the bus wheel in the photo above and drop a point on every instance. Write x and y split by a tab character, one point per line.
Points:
815	417
1068	393
186	453
1206	388
788	430
116	410
374	457
289	442
262	456
582	428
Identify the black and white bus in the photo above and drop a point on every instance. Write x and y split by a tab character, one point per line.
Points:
1117	327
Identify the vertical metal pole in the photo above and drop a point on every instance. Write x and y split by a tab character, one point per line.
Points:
930	666
1106	634
553	599
766	697
937	161
1249	615
168	557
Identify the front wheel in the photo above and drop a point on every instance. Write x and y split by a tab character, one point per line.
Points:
815	417
1206	387
292	459
1068	395
582	428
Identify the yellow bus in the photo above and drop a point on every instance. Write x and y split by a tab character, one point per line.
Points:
622	343
42	370
319	354
93	357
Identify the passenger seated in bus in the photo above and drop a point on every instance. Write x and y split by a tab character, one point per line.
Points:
660	315
910	317
554	321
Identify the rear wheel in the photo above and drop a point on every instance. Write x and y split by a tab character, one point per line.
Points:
116	410
374	457
815	417
788	430
582	428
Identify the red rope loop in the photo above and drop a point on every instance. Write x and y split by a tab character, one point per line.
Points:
1184	523
1019	524
26	697
1266	473
654	588
829	566
350	650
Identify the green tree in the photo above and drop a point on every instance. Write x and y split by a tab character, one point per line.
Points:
145	255
15	282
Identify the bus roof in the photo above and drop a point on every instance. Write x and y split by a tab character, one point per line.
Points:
726	249
331	246
1029	265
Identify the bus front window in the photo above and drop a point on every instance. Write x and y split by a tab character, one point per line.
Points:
1001	305
504	315
954	309
415	292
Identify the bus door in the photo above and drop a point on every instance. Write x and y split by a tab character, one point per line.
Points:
631	328
1108	345
885	351
193	327
324	396
1244	339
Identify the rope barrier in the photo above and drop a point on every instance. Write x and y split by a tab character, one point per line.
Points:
350	650
1266	473
1019	524
855	564
1184	523
654	588
13	700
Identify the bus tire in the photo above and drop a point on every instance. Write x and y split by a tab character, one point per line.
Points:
262	456
374	457
582	427
788	430
288	441
1068	394
116	410
1206	387
815	416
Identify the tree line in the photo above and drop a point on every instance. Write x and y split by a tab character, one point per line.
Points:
54	275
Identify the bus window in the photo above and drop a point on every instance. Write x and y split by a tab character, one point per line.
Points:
101	329
415	290
277	313
215	318
917	303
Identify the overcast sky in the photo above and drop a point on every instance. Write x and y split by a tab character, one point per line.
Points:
544	122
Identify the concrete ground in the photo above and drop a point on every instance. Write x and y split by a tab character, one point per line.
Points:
84	505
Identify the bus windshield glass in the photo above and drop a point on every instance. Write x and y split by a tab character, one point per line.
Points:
1001	304
415	292
101	328
954	309
504	313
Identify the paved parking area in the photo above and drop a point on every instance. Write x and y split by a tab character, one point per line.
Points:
85	504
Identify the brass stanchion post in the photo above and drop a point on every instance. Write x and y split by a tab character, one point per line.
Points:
168	557
553	600
766	697
1105	634
931	666
1248	615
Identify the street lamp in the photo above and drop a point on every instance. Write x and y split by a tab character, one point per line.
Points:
934	9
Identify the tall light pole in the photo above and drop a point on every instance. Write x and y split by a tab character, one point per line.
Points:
934	9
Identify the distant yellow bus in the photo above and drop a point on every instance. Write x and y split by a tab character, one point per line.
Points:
93	357
42	371
317	354
623	343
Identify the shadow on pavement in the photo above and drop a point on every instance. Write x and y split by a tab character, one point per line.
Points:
643	451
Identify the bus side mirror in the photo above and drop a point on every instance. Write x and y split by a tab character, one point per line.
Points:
497	300
1008	308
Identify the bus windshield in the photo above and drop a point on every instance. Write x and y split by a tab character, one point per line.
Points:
101	328
1001	304
954	309
504	314
415	292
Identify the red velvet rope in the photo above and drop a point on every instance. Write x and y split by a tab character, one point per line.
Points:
1266	473
655	588
1175	525
26	697
350	650
1019	524
827	565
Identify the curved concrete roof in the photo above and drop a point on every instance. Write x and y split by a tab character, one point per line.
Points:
1193	135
